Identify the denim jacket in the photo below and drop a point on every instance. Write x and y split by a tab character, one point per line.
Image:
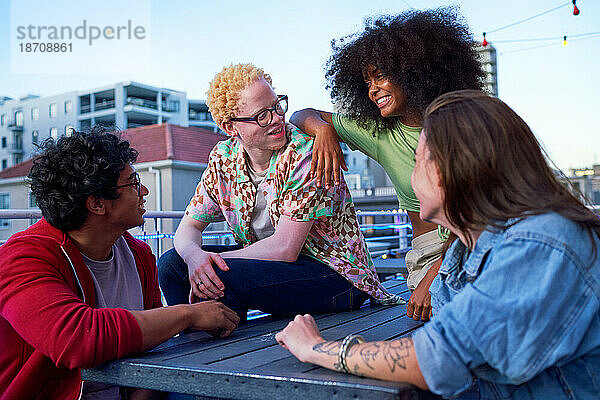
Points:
519	313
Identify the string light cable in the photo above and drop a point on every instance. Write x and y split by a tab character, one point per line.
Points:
557	40
549	38
576	12
536	16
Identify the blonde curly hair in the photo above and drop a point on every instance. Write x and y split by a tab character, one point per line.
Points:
224	90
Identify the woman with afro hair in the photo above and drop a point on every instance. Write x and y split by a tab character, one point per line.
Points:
381	80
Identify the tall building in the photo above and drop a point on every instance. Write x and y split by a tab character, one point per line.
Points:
586	181
489	63
28	120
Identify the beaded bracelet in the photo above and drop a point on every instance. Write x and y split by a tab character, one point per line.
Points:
348	342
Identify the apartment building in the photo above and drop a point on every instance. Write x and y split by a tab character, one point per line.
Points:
26	121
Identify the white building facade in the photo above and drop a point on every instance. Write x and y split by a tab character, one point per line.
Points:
27	121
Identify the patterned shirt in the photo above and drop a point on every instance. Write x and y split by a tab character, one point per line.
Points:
226	193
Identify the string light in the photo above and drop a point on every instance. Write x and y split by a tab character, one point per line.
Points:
576	11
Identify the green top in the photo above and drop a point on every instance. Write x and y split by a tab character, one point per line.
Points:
393	149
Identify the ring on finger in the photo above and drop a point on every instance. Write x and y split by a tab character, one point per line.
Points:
199	283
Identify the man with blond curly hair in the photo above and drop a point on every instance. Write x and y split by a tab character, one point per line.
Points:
300	248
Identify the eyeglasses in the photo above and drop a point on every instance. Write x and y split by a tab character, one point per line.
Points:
137	184
265	117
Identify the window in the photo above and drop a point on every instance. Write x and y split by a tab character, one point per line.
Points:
4	164
4	205
35	114
17	141
68	106
17	159
18	118
52	110
69	130
54	133
3	142
3	120
35	135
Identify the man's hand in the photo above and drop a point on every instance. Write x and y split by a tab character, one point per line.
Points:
213	316
327	158
300	336
204	282
419	304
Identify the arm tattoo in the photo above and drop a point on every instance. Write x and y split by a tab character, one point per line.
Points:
330	349
393	352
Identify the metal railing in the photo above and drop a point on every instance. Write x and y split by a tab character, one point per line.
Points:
104	105
379	191
140	102
399	242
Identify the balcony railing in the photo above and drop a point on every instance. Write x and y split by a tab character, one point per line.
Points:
136	101
98	106
199	116
173	108
104	105
13	126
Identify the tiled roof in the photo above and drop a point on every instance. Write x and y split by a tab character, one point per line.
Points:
154	143
21	169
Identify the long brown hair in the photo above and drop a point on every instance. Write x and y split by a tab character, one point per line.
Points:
492	167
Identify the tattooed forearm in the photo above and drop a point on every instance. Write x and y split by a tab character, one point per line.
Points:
329	348
395	353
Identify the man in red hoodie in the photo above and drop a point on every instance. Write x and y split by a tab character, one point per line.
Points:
77	290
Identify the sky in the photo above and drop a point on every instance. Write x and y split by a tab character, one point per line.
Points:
556	89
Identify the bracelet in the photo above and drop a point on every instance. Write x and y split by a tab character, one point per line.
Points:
348	342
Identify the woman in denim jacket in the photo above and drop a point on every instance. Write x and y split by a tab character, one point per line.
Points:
517	297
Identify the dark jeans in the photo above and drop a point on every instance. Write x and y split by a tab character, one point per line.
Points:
274	287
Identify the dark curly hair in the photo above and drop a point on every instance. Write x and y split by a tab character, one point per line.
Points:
426	53
74	167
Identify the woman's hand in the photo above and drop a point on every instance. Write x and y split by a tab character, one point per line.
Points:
419	304
327	158
300	336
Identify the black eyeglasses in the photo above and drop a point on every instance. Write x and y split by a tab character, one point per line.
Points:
137	184
265	117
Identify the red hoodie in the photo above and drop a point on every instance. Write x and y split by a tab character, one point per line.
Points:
49	326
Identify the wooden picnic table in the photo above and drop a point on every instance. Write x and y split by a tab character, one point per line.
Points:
250	364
